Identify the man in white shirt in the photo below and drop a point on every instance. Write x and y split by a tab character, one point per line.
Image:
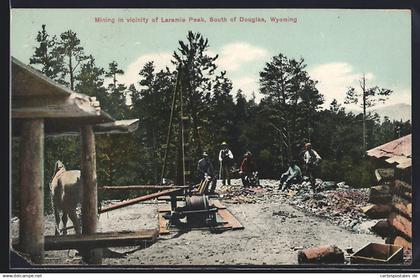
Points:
292	175
225	160
312	160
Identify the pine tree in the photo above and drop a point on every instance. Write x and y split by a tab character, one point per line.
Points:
117	92
289	92
47	56
73	54
197	69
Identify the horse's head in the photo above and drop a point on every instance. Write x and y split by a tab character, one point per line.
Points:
58	167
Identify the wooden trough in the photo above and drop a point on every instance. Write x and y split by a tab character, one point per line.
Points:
378	253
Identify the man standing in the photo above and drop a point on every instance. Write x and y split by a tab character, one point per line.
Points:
292	175
312	160
206	171
225	160
248	167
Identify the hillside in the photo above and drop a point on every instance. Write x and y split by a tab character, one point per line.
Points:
399	111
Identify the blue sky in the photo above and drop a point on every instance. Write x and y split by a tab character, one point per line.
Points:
337	45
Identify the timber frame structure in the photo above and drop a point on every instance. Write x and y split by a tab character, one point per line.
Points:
41	107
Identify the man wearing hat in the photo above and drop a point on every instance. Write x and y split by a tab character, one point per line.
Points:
311	159
225	160
205	170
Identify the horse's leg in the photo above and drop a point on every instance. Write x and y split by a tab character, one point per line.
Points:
64	218
57	221
75	220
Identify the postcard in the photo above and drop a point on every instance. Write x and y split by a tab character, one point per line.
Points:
210	138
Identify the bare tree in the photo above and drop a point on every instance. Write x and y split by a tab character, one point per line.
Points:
366	98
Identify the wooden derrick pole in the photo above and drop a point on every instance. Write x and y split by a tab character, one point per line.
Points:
90	192
31	226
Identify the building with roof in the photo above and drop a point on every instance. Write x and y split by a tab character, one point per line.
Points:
41	107
394	192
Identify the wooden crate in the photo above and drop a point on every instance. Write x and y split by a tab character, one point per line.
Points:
378	253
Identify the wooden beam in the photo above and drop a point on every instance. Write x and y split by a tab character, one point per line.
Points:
401	224
400	241
75	105
31	225
139	199
90	192
100	240
403	207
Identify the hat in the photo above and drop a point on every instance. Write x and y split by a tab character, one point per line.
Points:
224	143
308	145
248	153
205	154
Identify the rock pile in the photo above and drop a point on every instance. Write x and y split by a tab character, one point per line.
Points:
342	205
336	202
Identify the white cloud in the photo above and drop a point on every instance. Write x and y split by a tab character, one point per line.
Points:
234	55
131	73
399	95
334	79
248	85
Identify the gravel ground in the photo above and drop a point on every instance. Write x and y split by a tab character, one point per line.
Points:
274	232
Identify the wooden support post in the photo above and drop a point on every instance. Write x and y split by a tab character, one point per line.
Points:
31	225
90	192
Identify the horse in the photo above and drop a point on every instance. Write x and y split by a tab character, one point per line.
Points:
66	194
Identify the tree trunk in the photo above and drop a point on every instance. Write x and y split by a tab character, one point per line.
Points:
71	73
364	112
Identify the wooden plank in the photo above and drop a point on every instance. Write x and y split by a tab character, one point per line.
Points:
402	206
401	224
230	219
31	197
400	241
164	207
99	240
139	199
163	230
402	186
217	204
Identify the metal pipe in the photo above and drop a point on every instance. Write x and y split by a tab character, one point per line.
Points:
139	199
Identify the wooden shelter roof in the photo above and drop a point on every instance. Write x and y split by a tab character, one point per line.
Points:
395	152
36	96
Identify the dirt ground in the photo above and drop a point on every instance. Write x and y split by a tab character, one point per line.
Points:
274	232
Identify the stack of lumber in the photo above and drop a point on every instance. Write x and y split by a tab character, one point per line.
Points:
392	202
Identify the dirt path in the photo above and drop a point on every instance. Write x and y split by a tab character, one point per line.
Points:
273	232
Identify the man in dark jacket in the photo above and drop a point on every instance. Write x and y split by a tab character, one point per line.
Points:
205	170
248	167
